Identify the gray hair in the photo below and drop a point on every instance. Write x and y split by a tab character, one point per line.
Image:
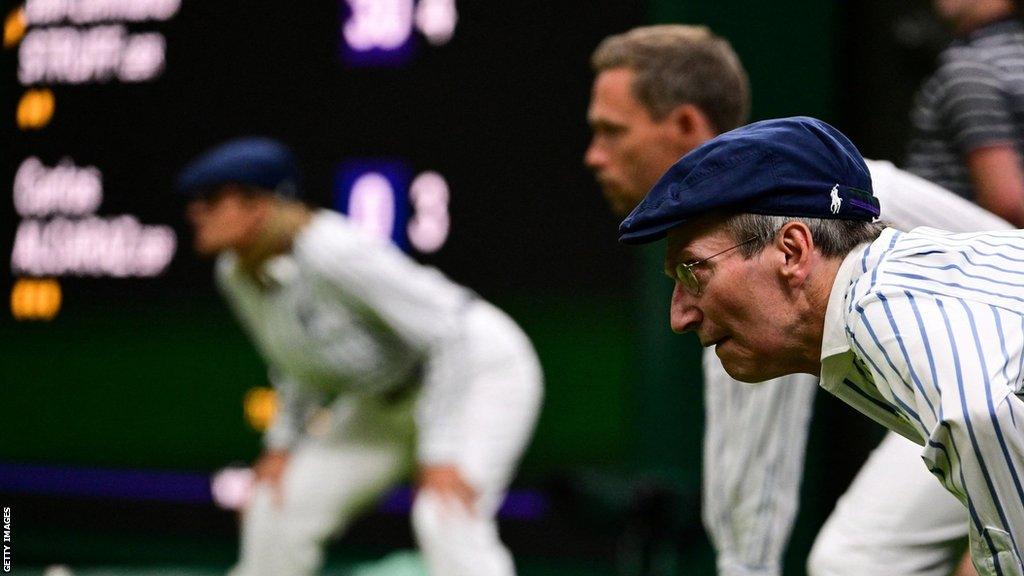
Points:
676	64
835	238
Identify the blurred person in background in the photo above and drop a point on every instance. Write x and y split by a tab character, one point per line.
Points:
660	92
379	364
968	117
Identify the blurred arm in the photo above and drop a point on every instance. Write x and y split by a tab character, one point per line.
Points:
909	201
978	111
446	481
998	181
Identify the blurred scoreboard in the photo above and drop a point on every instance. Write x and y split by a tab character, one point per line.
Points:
456	129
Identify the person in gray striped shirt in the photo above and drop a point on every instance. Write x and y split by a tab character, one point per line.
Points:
968	117
780	264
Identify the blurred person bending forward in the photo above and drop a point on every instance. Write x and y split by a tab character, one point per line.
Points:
379	364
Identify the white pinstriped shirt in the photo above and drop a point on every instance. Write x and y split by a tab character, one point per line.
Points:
924	332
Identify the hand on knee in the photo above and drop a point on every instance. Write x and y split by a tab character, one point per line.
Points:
455	542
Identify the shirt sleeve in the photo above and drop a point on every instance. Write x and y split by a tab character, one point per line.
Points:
950	368
754	446
440	411
974	104
416	303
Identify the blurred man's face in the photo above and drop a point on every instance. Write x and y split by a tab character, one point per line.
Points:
226	220
629	150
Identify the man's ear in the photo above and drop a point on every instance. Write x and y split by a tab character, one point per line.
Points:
691	125
796	245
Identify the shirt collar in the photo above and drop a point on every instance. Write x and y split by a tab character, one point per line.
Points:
833	339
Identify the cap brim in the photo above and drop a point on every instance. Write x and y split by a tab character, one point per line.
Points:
647	235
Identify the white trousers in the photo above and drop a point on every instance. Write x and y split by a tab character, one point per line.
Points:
896	518
369	446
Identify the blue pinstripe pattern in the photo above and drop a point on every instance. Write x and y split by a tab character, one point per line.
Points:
927	348
971	510
966	413
906	355
996	426
907	409
929	314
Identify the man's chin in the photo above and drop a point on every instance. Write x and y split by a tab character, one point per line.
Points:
746	371
745	377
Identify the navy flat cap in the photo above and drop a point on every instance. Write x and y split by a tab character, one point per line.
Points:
258	162
798	167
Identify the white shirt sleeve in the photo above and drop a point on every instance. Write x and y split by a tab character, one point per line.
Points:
417	303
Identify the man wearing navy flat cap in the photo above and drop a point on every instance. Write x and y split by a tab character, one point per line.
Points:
379	364
660	92
780	265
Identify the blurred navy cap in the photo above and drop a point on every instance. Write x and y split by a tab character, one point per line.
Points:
798	167
256	161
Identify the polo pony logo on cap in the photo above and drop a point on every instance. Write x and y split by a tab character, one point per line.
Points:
837	202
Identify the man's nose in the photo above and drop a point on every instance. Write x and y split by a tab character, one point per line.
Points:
685	316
